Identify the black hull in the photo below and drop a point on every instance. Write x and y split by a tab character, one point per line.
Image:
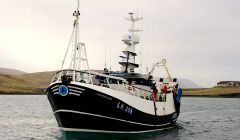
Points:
88	110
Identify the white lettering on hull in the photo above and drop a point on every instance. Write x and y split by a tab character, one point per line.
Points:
124	108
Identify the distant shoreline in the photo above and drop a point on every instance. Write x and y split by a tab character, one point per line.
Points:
21	94
214	92
225	92
5	93
215	96
227	95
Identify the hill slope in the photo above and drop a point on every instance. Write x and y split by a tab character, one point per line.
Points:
12	84
215	91
37	82
8	71
40	79
15	81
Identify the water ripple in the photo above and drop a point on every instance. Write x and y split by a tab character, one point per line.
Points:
29	117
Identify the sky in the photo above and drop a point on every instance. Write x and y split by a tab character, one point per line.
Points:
199	38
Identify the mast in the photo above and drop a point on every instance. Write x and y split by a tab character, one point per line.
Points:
76	37
79	61
130	39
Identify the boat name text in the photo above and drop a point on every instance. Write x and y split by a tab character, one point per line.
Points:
124	108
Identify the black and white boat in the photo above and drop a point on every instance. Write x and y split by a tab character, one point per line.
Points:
89	103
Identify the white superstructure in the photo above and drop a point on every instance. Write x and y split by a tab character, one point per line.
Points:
130	39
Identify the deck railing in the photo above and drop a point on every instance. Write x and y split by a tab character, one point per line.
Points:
99	79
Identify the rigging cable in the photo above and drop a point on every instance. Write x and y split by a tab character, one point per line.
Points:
69	44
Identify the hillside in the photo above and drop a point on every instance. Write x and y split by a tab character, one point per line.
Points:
12	84
21	82
8	71
38	82
40	79
215	91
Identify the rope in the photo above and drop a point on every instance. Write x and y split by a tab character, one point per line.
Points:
67	49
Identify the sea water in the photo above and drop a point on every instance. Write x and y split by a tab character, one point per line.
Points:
30	117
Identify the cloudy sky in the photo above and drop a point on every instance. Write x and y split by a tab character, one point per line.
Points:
199	38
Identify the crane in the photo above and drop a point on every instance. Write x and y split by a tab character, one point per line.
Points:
159	64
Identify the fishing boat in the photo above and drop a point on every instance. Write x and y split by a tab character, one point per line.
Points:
87	103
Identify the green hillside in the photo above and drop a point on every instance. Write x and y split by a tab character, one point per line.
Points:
36	83
12	84
25	83
215	91
40	79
